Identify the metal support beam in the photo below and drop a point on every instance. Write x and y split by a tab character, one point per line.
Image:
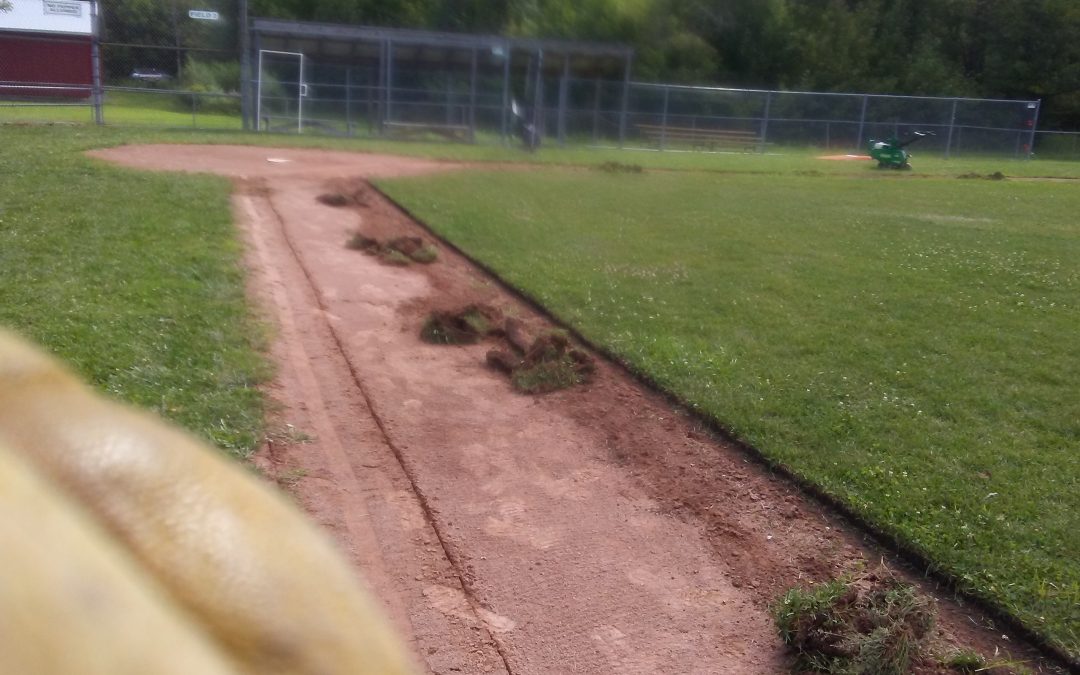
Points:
348	101
564	83
245	66
472	98
862	123
96	94
764	135
506	95
388	115
663	120
538	96
625	101
952	126
596	114
1034	127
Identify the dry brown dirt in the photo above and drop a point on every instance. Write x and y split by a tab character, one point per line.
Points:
592	530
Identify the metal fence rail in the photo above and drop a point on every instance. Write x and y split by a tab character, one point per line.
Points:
189	74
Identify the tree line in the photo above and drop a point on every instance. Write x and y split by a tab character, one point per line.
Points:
980	48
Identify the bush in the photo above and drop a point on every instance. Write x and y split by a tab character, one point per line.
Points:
214	86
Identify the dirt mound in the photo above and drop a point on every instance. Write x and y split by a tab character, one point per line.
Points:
397	251
544	364
997	175
467	325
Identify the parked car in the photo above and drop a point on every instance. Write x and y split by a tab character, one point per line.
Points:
150	75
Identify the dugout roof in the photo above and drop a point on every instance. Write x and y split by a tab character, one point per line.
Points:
347	43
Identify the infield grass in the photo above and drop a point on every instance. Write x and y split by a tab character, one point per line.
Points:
133	278
907	344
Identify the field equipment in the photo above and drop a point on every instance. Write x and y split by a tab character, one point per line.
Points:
890	153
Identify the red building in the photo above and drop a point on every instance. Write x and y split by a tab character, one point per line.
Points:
47	44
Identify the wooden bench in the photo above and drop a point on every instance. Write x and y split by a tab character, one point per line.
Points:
452	132
701	139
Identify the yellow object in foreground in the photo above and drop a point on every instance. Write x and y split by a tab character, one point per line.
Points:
129	547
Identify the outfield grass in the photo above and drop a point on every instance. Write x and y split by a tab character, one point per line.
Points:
133	278
908	344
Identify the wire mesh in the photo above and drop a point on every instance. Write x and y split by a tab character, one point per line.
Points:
170	63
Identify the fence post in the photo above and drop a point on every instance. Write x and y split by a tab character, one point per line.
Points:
245	67
765	123
506	93
564	83
862	123
663	120
596	114
472	97
625	102
1034	126
952	124
388	113
538	99
95	58
348	101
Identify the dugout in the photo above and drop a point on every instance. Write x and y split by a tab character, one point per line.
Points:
350	80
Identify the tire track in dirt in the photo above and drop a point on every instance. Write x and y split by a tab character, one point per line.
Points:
447	599
348	512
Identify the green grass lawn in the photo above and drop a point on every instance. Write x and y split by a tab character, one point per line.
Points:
908	344
133	278
152	108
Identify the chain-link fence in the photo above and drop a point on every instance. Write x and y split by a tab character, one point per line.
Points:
1058	144
164	63
172	62
702	118
175	63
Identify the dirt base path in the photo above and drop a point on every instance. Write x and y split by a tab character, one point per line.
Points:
593	530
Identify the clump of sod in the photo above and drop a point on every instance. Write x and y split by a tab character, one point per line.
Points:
965	661
545	364
399	251
333	199
392	256
351	196
467	325
359	242
871	624
425	255
619	167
